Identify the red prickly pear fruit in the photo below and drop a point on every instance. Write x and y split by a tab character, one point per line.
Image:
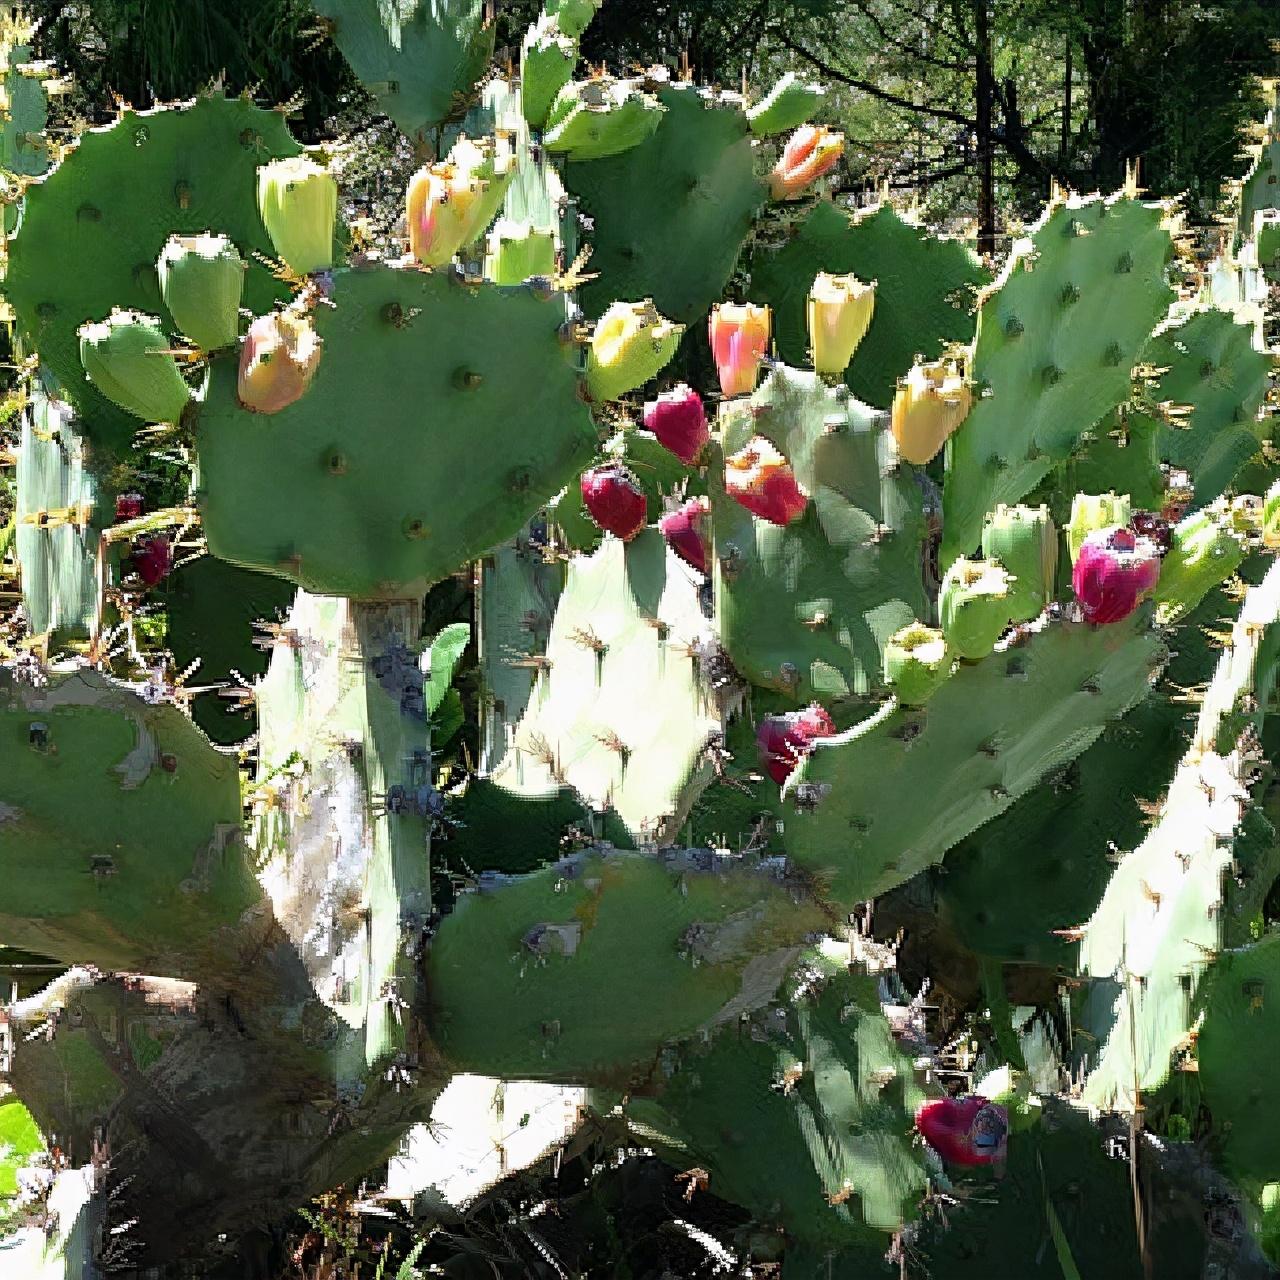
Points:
1146	524
614	500
128	506
679	421
965	1131
152	559
683	532
784	739
759	478
1114	570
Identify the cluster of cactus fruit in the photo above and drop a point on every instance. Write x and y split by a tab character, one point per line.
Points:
751	654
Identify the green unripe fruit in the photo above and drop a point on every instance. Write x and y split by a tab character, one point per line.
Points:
127	358
201	280
1091	512
547	59
631	342
1205	552
592	119
517	252
1025	541
916	662
790	104
974	605
574	16
298	201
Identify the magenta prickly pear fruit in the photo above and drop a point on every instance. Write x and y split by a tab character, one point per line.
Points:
683	532
152	559
759	478
965	1131
679	421
784	739
614	500
128	506
1113	571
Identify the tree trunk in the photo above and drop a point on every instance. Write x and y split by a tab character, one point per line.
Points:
985	97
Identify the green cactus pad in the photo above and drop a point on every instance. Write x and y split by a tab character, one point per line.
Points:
528	977
671	214
90	237
121	840
347	494
1055	346
987	736
341	713
419	61
1213	368
787	105
850	566
924	292
58	561
804	1117
211	608
1159	922
620	712
24	149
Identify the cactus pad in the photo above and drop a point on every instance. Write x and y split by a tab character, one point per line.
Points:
480	425
1056	342
924	294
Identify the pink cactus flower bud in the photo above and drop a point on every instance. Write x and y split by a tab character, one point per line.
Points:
679	421
783	740
1114	570
811	152
152	559
683	532
614	500
280	355
759	478
128	506
965	1131
739	341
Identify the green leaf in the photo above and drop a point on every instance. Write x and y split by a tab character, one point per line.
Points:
445	653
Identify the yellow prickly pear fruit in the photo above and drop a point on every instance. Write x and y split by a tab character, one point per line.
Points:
739	340
930	403
280	355
840	310
449	205
298	200
631	342
811	152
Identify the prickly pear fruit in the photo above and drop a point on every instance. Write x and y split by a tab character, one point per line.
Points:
929	404
679	421
298	201
840	310
783	740
811	152
547	59
1146	524
788	104
129	506
127	358
975	606
449	205
630	344
201	280
518	251
916	662
152	558
1114	570
1091	512
592	119
964	1131
614	500
1205	552
280	355
1025	541
683	532
759	478
1271	518
739	340
574	16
